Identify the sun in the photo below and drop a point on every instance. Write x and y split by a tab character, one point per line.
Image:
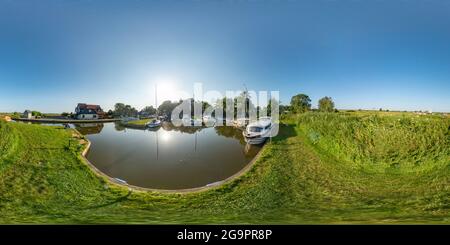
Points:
165	89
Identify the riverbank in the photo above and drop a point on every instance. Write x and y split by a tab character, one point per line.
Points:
86	144
137	124
43	120
43	179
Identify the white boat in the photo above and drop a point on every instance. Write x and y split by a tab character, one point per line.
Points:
257	132
153	123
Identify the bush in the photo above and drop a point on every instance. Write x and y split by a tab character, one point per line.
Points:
388	140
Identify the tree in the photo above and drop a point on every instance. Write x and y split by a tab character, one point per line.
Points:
205	105
36	114
150	110
284	108
267	111
167	107
272	103
244	101
221	105
301	103
121	109
326	104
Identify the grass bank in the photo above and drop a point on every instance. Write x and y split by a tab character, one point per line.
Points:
138	124
308	174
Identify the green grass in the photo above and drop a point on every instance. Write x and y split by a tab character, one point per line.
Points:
313	172
380	142
139	122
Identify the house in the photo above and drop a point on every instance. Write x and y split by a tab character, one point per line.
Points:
88	112
28	114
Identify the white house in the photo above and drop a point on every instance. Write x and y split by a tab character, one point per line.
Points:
88	112
28	114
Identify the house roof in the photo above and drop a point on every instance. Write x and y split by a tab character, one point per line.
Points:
88	106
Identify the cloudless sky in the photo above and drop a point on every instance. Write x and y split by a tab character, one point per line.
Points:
364	54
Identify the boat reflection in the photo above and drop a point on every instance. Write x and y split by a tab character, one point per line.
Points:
169	157
230	132
251	150
89	128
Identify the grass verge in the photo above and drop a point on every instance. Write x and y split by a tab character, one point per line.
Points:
295	180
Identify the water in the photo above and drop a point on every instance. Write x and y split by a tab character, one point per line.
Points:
167	157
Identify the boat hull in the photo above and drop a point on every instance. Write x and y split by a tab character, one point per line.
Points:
153	124
255	141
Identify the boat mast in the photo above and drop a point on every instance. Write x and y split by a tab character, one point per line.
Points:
156	98
156	107
246	106
193	121
157	146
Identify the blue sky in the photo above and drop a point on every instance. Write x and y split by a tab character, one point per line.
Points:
364	54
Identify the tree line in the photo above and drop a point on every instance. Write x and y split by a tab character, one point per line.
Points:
166	107
299	103
302	103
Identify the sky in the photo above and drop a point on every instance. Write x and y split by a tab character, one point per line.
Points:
364	54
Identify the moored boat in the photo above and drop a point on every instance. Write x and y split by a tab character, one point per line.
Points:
154	123
257	132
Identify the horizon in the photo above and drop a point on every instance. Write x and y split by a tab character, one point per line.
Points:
365	55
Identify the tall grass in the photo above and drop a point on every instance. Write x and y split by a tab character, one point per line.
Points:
8	140
43	181
386	141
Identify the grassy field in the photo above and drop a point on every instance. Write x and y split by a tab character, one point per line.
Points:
322	168
139	122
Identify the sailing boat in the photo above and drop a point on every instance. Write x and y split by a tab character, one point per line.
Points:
154	123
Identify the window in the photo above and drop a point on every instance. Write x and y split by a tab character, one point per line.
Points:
255	129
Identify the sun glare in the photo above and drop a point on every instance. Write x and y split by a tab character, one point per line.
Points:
166	89
164	135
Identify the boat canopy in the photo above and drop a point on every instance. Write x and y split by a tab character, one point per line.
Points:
263	122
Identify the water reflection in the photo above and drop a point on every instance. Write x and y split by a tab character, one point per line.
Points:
168	157
89	128
119	127
167	126
230	132
164	136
